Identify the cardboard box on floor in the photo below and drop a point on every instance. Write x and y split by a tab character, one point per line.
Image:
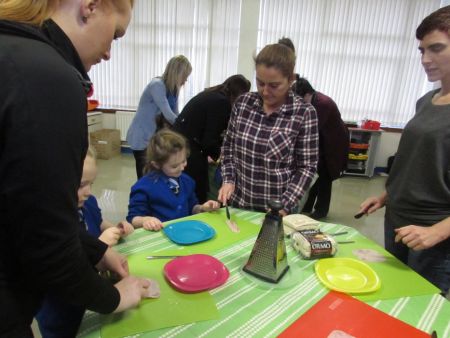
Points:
106	143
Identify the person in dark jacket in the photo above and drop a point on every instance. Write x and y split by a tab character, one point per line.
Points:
333	147
43	142
203	121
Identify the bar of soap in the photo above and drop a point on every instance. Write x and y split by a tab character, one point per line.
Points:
297	222
312	244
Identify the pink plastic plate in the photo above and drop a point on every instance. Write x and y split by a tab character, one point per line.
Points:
196	273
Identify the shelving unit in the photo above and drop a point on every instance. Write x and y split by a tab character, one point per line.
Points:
363	148
94	120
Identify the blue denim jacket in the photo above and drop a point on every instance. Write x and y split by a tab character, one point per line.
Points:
154	100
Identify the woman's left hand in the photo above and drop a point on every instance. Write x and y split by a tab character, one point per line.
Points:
126	228
110	236
283	213
114	262
418	237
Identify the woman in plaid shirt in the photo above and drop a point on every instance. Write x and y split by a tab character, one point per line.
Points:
270	150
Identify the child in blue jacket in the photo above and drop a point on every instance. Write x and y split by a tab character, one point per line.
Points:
165	192
90	213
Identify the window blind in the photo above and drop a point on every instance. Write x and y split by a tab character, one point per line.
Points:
205	31
361	53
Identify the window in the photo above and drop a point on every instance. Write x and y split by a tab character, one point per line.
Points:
205	31
361	53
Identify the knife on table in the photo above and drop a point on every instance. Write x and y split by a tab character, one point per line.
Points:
162	257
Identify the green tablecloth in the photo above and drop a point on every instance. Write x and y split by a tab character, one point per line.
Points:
248	307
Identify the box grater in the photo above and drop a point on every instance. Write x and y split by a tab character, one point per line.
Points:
268	260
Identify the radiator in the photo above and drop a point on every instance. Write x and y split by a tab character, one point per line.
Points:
123	121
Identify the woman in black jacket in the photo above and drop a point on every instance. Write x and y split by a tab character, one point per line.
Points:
203	121
43	141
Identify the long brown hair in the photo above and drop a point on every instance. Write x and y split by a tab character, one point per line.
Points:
232	87
278	56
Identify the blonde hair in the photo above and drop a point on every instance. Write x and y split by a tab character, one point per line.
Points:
278	56
35	12
177	69
162	145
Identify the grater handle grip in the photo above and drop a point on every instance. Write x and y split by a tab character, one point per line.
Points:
275	206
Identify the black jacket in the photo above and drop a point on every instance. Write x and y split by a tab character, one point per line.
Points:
43	141
202	121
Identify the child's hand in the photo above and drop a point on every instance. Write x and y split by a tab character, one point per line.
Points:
151	223
111	236
210	205
126	228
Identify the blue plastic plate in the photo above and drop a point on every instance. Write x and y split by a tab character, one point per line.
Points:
189	232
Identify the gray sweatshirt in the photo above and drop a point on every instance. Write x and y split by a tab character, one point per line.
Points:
418	186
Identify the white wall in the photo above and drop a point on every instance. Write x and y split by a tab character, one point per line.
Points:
109	121
387	147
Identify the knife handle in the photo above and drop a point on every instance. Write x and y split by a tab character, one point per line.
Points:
359	214
228	212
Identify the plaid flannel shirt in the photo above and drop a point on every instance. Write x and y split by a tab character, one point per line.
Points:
270	157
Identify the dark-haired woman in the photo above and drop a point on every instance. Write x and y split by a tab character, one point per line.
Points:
203	121
270	149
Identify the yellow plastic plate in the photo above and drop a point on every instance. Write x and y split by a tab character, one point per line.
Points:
347	275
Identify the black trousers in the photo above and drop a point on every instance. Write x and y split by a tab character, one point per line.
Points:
432	263
140	158
197	168
320	195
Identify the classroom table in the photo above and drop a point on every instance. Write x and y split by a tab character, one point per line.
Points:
247	307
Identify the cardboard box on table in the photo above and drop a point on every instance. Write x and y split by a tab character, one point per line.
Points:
106	143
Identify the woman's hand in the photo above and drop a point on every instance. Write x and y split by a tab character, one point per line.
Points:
372	204
111	236
132	289
225	193
126	228
283	213
114	262
419	237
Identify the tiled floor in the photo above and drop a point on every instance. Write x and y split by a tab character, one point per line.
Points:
116	175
